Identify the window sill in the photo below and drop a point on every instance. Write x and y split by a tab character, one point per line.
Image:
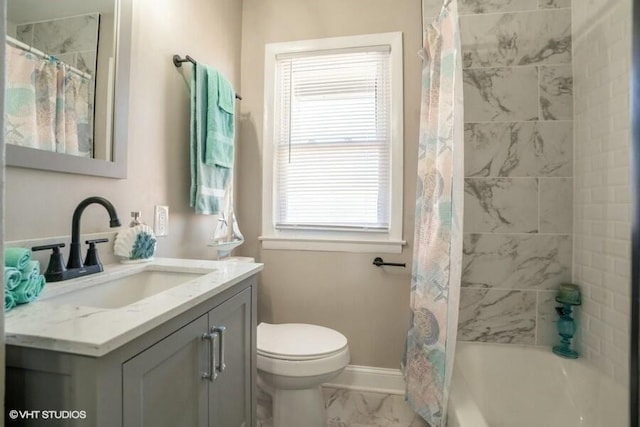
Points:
332	245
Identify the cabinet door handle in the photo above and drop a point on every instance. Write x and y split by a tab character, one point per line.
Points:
212	374
220	330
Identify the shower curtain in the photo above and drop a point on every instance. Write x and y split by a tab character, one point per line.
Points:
437	254
48	107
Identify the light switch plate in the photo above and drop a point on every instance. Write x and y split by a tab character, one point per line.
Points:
161	221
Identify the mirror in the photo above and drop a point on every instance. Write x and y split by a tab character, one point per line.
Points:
79	126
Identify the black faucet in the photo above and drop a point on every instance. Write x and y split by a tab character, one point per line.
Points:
56	270
75	257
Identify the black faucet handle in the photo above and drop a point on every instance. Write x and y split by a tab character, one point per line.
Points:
92	253
56	262
94	241
53	246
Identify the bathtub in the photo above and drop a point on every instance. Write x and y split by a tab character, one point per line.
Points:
497	385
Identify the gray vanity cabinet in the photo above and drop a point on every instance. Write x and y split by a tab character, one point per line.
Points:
162	386
230	391
170	384
158	379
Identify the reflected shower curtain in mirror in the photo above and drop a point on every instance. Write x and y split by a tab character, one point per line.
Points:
48	107
72	114
437	254
30	100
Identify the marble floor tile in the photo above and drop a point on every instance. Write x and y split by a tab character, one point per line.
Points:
347	408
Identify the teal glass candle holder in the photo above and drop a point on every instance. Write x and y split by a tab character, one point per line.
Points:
566	327
569	293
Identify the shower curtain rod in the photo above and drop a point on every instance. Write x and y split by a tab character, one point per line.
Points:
177	61
41	54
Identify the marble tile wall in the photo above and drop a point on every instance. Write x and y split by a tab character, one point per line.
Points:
73	40
518	92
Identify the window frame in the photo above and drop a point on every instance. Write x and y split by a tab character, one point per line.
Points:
334	240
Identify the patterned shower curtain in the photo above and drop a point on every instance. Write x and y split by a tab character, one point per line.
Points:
437	255
48	107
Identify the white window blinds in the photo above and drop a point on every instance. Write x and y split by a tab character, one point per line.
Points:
333	140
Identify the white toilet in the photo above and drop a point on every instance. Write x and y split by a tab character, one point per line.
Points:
294	359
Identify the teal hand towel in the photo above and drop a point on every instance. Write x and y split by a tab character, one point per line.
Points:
207	182
9	300
41	282
31	271
27	291
12	278
219	146
17	257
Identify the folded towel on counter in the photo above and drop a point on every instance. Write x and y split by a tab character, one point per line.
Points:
31	271
9	300
12	278
28	289
41	282
207	182
17	257
219	145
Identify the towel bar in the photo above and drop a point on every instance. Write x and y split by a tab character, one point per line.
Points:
379	262
177	61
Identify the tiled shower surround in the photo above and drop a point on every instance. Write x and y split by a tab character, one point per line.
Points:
73	40
518	221
602	48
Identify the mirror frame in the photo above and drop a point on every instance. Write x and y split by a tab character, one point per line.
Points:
32	158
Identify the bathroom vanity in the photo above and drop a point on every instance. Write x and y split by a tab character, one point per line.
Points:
167	343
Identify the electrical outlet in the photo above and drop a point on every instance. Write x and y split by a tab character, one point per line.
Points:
161	221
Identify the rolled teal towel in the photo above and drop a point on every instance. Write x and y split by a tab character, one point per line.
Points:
9	300
41	282
31	271
12	278
17	257
27	291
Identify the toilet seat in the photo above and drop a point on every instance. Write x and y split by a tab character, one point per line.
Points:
298	341
299	350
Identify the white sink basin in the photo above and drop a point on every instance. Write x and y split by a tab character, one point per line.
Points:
126	290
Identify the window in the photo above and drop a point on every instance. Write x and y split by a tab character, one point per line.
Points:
333	144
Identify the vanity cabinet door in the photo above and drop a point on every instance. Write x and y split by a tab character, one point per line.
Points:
230	393
163	385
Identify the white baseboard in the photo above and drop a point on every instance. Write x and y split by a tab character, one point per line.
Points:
366	378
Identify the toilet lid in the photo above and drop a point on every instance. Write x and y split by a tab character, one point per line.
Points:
296	341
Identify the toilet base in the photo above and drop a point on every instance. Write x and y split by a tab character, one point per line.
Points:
296	408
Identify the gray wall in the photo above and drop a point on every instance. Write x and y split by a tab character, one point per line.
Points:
40	204
518	167
339	290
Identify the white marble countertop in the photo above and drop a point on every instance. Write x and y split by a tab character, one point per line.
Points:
48	324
